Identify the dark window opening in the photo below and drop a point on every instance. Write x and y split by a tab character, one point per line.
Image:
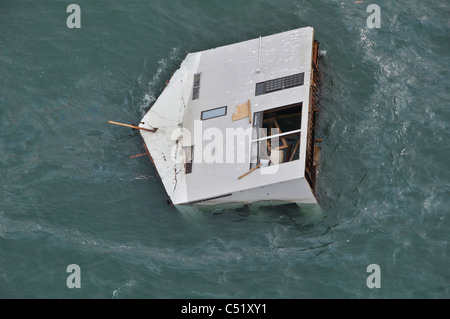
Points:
196	79
276	135
285	119
196	87
195	93
188	158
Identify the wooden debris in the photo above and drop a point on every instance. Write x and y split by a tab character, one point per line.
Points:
134	126
295	150
143	154
254	168
243	111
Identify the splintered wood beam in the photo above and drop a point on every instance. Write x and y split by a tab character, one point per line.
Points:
295	150
254	168
143	154
133	126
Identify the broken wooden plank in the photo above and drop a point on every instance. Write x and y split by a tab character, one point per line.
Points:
143	154
254	168
242	111
133	126
295	150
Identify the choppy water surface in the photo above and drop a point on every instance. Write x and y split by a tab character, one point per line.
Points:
70	194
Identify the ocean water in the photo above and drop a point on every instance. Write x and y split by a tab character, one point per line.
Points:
70	193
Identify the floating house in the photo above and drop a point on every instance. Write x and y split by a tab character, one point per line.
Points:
235	125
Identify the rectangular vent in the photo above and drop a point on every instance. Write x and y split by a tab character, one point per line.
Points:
280	83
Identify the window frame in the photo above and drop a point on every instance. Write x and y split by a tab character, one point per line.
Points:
196	88
211	110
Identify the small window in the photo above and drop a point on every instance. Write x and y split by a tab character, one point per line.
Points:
197	80
196	87
195	93
209	114
189	158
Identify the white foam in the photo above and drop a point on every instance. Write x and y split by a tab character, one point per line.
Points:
163	64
